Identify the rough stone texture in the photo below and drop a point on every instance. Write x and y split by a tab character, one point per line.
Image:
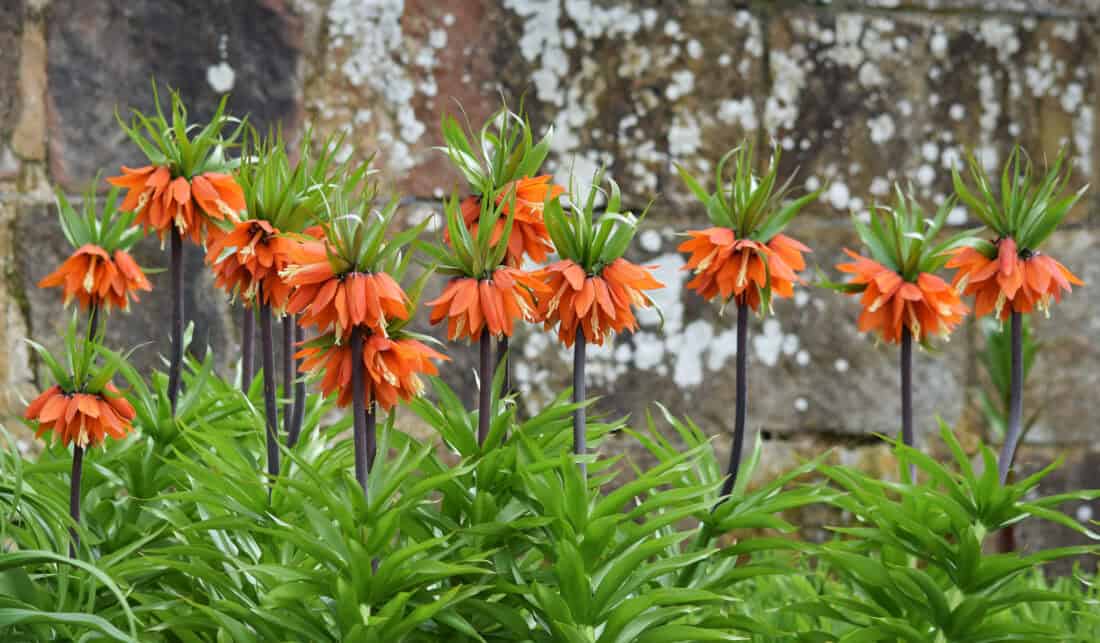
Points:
859	93
11	28
102	56
1065	8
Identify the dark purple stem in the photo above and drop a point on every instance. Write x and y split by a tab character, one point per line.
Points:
741	401
358	409
504	362
580	429
270	407
485	374
74	496
176	277
299	408
288	365
907	387
1015	398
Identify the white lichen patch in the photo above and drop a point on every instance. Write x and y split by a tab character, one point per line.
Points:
772	343
374	56
881	128
221	77
650	240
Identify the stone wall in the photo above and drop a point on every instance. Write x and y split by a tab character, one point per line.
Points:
859	94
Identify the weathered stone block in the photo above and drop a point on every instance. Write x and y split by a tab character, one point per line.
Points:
863	100
103	55
11	50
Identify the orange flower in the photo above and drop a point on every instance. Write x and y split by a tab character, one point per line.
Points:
1020	282
600	304
927	307
81	418
529	233
471	305
160	200
330	301
735	268
94	277
391	368
255	253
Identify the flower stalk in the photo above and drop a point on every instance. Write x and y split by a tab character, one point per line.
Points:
298	410
358	410
1016	398
288	371
741	400
74	496
580	430
270	408
485	375
907	387
503	362
176	270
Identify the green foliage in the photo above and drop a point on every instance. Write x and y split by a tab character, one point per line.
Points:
85	365
502	151
904	240
355	231
1028	208
507	541
592	242
463	253
169	141
109	229
755	208
291	195
915	557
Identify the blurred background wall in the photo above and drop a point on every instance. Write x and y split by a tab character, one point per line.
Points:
860	94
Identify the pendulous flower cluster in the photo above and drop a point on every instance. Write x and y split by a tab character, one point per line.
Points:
1010	281
82	419
98	279
598	304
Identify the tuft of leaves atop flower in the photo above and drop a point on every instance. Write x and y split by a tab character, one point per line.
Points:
903	239
474	255
355	230
502	151
755	208
1028	207
85	365
171	141
592	241
291	194
108	228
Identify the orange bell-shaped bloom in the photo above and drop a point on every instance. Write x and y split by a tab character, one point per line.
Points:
927	307
84	419
529	234
251	255
161	201
330	301
94	277
736	268
1009	283
598	304
392	369
471	305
